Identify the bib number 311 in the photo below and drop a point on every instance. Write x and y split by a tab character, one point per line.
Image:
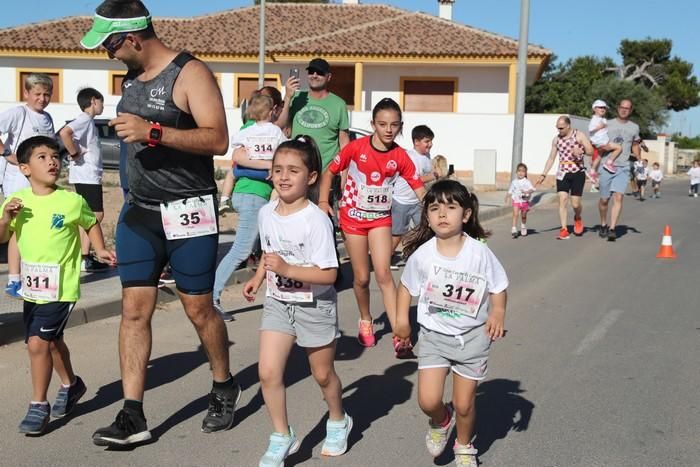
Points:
40	281
191	217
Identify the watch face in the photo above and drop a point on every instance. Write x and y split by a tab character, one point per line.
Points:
155	134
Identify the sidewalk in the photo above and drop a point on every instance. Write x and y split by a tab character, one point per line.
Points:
101	292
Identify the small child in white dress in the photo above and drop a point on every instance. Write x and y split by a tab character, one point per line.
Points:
598	133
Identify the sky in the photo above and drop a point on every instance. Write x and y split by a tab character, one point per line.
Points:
569	29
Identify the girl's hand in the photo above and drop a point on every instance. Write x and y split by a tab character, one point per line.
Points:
274	262
494	326
403	332
326	207
250	289
12	208
107	257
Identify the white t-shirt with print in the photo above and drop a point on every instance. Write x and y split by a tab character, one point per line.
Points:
640	172
304	238
517	187
15	132
694	174
470	276
86	168
600	137
656	175
261	140
403	193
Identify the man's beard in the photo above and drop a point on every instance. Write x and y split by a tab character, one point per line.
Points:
320	87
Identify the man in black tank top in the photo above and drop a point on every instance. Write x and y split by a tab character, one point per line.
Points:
171	117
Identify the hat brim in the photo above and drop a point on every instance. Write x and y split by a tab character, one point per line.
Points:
94	39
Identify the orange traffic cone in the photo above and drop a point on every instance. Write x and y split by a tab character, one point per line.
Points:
666	250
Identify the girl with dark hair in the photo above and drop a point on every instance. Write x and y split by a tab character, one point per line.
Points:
300	266
461	287
373	164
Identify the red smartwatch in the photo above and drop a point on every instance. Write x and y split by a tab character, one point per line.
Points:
154	135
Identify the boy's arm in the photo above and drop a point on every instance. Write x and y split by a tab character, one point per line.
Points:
66	135
9	211
98	243
240	157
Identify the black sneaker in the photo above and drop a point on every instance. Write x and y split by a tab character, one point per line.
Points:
612	236
222	405
67	398
603	231
128	428
90	264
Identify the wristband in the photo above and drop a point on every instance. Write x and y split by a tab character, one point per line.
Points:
154	135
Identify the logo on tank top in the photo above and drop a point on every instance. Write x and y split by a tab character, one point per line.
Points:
155	92
391	165
313	117
363	157
375	176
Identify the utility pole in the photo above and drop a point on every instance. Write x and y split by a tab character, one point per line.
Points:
519	117
261	53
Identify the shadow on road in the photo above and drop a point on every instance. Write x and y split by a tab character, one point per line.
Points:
371	398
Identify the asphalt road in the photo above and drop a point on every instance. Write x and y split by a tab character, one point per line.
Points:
599	367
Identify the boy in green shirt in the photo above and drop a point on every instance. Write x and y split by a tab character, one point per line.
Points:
45	219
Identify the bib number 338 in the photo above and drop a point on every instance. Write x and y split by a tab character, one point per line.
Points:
288	290
191	217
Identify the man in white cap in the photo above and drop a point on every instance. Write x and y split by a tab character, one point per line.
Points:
171	118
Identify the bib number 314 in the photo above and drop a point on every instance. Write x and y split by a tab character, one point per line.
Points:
191	217
40	281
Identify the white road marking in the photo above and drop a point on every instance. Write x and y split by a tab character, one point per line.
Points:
598	332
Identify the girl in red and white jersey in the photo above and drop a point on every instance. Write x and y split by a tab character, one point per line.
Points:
373	164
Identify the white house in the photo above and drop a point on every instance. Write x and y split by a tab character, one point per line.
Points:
457	79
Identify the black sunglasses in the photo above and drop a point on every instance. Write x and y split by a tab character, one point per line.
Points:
314	71
114	42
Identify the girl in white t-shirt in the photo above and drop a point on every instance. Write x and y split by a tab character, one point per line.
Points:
694	174
598	133
300	266
519	192
461	287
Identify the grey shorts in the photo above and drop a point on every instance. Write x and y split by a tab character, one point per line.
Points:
466	354
613	183
314	324
402	215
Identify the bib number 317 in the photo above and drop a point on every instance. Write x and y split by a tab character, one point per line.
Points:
191	217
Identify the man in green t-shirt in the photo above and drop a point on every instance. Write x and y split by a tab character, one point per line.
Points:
319	113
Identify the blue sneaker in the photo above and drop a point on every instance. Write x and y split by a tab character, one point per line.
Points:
337	433
279	448
36	420
14	289
67	398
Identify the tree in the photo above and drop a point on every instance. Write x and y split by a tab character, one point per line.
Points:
685	142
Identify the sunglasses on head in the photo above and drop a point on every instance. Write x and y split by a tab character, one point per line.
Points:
114	41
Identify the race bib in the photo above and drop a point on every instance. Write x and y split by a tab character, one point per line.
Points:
560	175
454	294
285	289
261	147
374	198
191	217
40	281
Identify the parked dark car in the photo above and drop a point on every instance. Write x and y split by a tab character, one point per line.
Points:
109	143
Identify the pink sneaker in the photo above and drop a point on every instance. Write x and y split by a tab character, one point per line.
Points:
366	334
609	166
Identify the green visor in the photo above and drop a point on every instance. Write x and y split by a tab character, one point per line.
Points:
103	27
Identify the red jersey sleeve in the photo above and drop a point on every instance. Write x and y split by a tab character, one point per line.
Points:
342	160
408	171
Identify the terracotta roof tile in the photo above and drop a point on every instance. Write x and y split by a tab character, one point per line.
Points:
299	29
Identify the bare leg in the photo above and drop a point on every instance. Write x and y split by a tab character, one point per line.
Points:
321	361
380	246
578	207
211	330
603	210
463	399
229	181
274	352
563	207
515	217
61	361
431	388
13	258
138	304
616	210
395	240
41	366
358	248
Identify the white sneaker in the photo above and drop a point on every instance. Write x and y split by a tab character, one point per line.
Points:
436	438
465	456
280	447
